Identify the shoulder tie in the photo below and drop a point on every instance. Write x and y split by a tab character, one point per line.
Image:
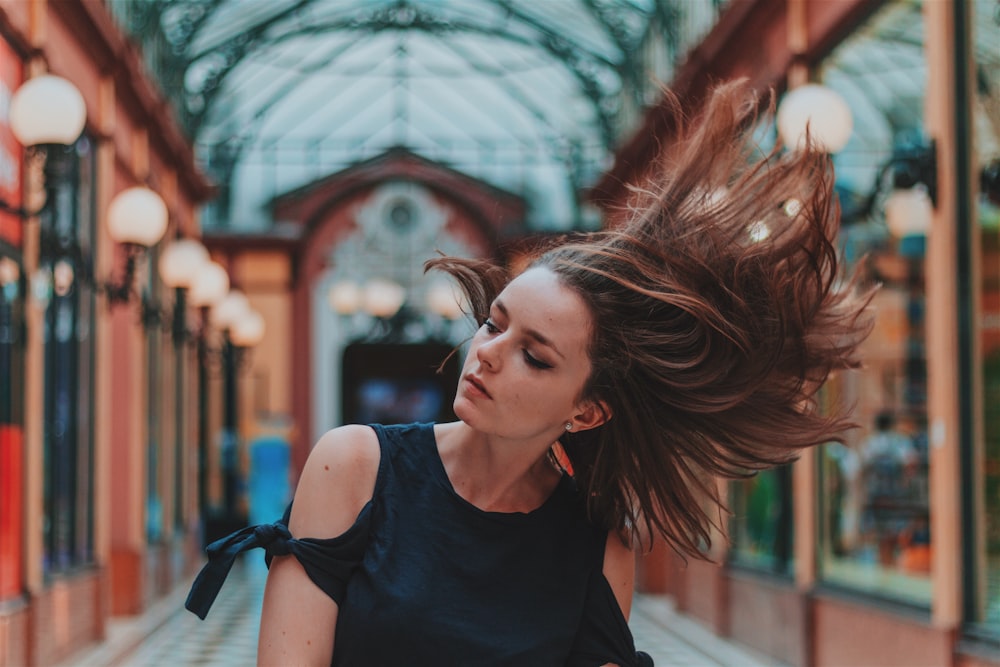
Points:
272	537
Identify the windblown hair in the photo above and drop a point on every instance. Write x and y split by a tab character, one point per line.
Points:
719	310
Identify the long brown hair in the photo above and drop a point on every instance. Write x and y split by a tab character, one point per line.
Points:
719	310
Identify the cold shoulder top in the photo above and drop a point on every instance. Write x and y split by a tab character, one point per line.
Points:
424	577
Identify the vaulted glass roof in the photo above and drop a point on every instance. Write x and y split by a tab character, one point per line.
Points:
529	95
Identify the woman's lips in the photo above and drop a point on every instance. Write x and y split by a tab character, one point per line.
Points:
477	385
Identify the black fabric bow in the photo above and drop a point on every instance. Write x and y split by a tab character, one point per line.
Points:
272	537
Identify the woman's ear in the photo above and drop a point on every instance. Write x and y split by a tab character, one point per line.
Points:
591	415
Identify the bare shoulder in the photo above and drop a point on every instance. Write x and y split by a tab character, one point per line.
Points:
336	482
619	570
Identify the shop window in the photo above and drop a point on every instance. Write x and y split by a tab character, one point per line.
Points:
985	488
12	330
874	527
760	529
67	231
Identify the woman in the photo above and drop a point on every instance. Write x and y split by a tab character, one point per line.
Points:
687	343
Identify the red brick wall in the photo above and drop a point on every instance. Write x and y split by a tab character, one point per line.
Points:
705	597
127	585
854	634
14	636
770	616
67	616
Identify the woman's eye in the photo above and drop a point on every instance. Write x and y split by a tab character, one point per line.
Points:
537	363
490	327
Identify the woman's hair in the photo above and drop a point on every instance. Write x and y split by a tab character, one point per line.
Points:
718	312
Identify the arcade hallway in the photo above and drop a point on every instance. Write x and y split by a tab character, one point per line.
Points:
168	635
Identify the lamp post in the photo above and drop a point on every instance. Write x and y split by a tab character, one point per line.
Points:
178	265
209	285
241	328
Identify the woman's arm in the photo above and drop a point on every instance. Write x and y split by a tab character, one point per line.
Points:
619	570
298	619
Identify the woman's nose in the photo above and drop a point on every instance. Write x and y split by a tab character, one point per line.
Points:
488	353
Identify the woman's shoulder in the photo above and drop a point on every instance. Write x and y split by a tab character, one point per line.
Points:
352	449
337	481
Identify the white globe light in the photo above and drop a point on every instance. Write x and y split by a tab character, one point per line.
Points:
137	215
909	212
180	261
344	297
248	331
820	108
383	298
444	299
47	110
228	310
210	285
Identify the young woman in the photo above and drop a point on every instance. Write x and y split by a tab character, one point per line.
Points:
686	343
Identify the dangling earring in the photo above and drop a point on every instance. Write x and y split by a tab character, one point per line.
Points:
569	426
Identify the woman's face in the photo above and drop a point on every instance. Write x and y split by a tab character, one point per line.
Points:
528	363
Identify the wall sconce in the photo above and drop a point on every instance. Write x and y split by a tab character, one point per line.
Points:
228	310
209	285
242	326
137	219
45	111
179	264
909	208
819	109
49	111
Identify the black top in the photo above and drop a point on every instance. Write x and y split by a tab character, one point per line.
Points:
424	577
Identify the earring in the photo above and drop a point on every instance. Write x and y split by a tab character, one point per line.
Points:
569	426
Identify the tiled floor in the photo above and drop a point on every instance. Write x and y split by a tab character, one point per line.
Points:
228	637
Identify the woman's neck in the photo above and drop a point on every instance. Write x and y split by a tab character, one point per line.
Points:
493	474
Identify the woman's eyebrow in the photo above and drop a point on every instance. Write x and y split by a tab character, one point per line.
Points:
531	333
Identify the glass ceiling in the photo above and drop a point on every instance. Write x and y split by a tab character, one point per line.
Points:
529	95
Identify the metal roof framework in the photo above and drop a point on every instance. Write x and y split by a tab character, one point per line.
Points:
526	94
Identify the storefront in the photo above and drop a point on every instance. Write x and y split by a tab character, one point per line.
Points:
96	515
890	538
